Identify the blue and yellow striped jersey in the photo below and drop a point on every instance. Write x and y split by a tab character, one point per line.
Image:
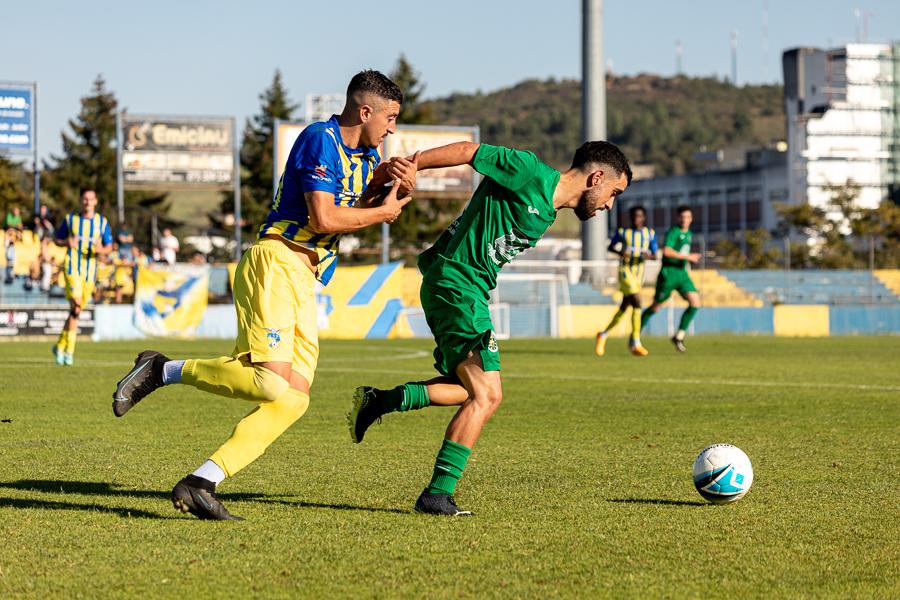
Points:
634	243
318	161
90	234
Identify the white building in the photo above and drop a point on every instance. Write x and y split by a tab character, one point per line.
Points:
841	107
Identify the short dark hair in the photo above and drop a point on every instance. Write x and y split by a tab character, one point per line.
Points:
635	209
602	153
377	83
684	208
86	188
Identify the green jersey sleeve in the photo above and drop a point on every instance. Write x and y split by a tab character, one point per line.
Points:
672	239
510	168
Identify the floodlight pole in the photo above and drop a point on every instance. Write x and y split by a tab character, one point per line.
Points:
593	116
120	184
237	191
34	144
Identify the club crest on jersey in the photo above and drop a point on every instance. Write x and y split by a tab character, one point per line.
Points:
492	343
273	336
506	247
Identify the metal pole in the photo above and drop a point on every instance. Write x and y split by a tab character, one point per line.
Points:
34	144
593	116
385	243
120	183
237	191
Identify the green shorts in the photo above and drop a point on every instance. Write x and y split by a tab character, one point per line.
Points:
672	279
460	323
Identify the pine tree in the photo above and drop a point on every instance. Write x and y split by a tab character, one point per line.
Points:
89	154
409	80
14	188
257	150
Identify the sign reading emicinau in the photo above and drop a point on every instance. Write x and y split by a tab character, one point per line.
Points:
164	151
16	117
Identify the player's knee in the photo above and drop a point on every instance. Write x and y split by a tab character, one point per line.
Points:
293	405
268	386
75	310
488	399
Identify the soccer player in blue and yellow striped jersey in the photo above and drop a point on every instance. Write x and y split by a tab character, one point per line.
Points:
332	184
634	245
87	236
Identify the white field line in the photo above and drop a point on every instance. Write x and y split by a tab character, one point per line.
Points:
15	363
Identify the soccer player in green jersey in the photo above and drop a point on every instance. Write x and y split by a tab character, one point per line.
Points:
674	277
513	206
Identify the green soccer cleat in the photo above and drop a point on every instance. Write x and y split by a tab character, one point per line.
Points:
68	359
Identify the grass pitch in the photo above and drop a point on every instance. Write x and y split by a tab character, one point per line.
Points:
581	483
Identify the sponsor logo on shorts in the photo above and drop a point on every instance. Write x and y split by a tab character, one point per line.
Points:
274	337
492	344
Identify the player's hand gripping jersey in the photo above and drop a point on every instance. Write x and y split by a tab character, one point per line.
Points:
319	161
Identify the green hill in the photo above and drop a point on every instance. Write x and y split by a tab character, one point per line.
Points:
660	121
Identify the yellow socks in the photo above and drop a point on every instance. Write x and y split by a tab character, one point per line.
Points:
615	320
636	325
259	429
63	340
234	378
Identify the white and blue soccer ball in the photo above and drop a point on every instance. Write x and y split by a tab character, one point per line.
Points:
723	473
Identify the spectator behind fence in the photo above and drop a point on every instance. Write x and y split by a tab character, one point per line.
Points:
10	249
14	218
43	226
125	239
168	247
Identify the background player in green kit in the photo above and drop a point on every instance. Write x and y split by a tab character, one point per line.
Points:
509	212
674	277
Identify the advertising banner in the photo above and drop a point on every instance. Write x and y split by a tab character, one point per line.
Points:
41	320
166	151
16	117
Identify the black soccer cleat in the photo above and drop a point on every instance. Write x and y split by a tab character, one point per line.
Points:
144	377
364	411
440	504
198	496
679	344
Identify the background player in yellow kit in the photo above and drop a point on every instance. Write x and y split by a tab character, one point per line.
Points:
331	185
87	236
634	244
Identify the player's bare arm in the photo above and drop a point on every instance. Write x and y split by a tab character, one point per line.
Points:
326	217
692	257
451	155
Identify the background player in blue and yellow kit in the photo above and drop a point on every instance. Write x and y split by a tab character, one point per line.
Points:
332	184
87	236
634	244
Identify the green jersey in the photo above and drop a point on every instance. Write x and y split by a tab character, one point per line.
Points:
508	213
680	241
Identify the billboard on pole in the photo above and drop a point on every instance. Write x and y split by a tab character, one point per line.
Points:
409	139
177	151
16	117
404	142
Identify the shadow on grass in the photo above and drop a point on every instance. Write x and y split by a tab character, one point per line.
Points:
55	505
658	501
99	488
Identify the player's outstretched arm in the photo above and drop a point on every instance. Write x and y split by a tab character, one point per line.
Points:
326	217
451	155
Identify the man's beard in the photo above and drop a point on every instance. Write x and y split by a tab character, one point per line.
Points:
583	211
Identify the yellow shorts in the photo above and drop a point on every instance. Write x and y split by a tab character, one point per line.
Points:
275	300
79	289
631	279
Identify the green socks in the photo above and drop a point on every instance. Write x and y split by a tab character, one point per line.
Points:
687	317
448	468
645	316
409	396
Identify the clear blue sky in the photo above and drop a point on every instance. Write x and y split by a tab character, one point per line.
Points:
205	57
